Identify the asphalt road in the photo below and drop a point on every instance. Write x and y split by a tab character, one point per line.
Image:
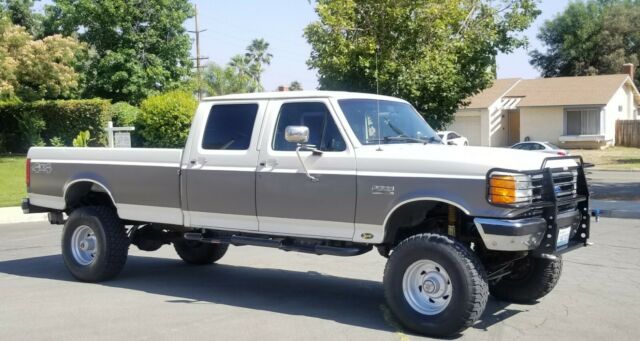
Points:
263	294
614	185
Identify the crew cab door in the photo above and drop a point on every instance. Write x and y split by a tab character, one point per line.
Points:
219	174
288	202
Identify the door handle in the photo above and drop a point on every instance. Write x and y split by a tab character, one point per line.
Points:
199	160
269	163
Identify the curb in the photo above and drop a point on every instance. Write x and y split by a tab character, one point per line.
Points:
623	214
615	209
615	170
14	215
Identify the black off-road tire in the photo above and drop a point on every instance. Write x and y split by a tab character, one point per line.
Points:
111	240
532	278
194	252
469	294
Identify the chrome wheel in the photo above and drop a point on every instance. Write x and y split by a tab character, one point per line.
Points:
427	287
84	245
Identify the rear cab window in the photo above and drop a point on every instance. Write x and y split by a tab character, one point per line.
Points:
229	126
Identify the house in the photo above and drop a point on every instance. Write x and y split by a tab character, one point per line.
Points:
572	112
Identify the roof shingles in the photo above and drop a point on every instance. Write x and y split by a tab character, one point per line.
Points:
580	90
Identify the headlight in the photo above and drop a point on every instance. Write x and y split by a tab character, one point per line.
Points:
509	189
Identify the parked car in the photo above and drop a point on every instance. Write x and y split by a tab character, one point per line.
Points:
540	146
452	138
327	173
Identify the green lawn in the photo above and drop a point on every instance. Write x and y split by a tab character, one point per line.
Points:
12	185
612	158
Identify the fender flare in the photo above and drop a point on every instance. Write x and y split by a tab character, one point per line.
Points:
71	183
415	199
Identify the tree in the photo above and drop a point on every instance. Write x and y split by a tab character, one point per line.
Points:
432	53
295	86
38	69
241	65
590	38
140	47
257	56
20	13
226	80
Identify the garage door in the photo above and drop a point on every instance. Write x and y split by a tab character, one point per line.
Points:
469	127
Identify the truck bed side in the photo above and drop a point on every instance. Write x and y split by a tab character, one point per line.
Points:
143	184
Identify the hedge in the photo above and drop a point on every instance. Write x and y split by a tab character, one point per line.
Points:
35	123
165	119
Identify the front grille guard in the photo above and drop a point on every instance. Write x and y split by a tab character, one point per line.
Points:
550	205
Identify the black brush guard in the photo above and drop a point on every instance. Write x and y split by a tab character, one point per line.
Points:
550	205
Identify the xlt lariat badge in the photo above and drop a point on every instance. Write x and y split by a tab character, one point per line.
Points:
378	189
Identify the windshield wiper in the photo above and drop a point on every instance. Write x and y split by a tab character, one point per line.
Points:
405	138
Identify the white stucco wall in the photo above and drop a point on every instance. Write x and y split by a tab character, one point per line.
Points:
622	98
482	129
497	125
542	123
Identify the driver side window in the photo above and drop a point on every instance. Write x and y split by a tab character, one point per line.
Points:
323	131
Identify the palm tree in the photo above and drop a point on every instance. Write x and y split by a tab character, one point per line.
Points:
258	56
241	64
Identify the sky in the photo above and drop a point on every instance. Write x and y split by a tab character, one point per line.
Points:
231	25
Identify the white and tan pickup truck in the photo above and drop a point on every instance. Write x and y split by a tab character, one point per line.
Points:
329	173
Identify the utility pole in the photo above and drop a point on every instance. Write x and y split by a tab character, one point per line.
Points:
198	58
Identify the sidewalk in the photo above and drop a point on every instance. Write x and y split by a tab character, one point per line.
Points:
11	215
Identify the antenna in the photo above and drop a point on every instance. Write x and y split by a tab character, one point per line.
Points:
378	102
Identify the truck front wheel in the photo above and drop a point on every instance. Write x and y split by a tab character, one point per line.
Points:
194	252
531	278
434	285
94	244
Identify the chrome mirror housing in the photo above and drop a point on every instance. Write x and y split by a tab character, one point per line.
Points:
296	134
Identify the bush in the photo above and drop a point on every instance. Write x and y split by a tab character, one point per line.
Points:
165	119
82	140
23	125
124	114
56	142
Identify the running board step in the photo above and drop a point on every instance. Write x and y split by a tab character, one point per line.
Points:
282	244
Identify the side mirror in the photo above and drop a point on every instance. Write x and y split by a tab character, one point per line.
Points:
296	134
451	143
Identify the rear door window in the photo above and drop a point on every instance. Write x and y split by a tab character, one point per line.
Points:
229	126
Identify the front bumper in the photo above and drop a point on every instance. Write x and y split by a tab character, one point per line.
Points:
521	234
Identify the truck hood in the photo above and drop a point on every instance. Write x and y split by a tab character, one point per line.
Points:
450	161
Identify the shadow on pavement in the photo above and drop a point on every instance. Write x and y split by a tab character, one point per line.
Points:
615	190
348	301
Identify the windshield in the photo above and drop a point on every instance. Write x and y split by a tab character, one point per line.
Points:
398	122
552	146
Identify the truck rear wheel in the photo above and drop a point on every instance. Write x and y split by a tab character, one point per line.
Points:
531	279
434	285
194	252
94	244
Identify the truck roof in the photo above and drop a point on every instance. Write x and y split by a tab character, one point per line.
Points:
301	94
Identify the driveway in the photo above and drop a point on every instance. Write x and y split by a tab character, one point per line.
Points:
264	294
